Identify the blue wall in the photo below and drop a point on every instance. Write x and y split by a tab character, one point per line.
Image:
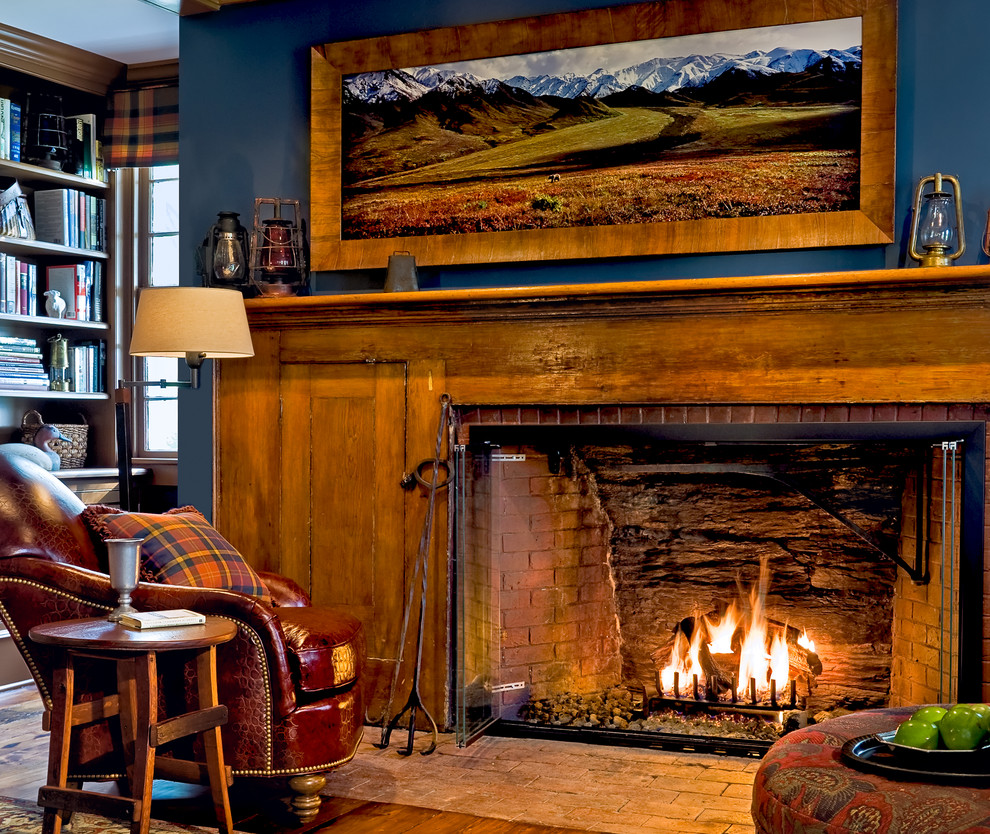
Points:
244	89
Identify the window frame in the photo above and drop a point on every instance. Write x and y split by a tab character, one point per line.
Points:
133	190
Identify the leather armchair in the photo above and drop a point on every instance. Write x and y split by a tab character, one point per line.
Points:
290	678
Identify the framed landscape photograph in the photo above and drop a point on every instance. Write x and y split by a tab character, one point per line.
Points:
675	127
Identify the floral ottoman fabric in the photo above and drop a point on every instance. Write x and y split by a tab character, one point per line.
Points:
804	786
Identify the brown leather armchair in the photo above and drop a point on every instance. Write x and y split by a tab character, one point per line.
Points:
290	678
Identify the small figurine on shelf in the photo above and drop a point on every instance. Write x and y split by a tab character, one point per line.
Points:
38	451
54	304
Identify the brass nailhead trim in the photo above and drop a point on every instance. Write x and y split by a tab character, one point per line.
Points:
19	640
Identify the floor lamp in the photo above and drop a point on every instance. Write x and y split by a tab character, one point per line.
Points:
191	323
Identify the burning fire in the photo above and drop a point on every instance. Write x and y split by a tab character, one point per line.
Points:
763	654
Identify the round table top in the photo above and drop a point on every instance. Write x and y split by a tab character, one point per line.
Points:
99	634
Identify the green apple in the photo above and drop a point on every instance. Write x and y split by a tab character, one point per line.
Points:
984	712
914	733
931	714
961	728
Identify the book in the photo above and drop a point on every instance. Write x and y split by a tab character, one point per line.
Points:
10	285
82	293
52	215
4	128
15	131
162	619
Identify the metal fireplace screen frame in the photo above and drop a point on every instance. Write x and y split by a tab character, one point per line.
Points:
476	614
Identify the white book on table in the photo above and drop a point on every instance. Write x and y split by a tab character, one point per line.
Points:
162	619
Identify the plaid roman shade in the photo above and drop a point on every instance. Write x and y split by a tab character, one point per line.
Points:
143	128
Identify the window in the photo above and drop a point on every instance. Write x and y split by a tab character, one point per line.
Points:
155	216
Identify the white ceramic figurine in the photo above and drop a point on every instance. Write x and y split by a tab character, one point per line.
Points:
55	304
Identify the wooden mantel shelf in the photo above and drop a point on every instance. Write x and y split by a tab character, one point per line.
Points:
912	286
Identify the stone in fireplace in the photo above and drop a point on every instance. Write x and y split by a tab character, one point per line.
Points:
607	538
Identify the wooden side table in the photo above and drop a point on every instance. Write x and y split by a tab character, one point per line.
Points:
135	654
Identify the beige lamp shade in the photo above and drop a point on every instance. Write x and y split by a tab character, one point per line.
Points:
178	321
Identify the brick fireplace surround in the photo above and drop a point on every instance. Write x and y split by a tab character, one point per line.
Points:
895	347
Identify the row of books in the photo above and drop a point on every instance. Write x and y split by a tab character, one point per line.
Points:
18	286
87	365
80	285
83	151
71	218
21	364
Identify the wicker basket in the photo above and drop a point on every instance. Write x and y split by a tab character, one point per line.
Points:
71	452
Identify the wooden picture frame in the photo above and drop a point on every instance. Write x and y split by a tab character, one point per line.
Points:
871	223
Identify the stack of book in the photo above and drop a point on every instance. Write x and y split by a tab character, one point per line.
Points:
20	364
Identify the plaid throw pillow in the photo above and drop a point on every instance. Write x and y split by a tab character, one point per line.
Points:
180	547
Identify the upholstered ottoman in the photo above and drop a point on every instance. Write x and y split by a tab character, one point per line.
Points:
804	786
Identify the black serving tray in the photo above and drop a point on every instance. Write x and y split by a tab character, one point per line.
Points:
877	753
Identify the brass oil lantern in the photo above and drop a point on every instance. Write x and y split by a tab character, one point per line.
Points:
937	225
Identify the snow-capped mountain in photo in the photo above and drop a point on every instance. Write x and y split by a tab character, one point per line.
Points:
656	75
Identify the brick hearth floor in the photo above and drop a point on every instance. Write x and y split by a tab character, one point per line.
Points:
594	787
608	789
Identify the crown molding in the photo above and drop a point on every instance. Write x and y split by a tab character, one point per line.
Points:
58	62
149	72
197	6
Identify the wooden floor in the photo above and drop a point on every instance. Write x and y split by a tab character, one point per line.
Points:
23	764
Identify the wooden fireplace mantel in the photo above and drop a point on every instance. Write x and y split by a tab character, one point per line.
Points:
316	431
821	289
874	335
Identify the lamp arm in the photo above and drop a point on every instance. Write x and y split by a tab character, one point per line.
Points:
193	360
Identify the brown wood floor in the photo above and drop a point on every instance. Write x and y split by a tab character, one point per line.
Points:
23	765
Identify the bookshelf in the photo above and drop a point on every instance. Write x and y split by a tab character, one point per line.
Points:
31	66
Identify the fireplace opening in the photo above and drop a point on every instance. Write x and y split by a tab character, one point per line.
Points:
696	588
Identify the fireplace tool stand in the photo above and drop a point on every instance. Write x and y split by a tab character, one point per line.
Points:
415	701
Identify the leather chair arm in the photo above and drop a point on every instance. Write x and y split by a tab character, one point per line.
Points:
285	592
252	612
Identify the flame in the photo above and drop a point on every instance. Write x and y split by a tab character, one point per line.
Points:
676	662
763	656
721	632
694	653
686	664
780	662
753	660
806	642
